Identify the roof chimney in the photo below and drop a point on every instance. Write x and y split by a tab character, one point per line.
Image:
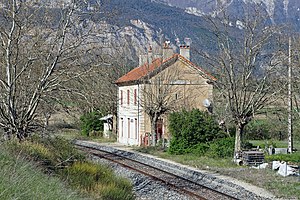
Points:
146	58
142	59
185	49
167	50
150	54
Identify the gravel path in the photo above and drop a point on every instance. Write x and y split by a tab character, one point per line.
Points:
145	188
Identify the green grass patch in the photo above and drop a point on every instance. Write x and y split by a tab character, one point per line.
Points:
291	158
194	160
20	179
275	143
287	188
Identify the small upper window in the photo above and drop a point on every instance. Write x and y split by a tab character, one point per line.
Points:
121	97
135	97
128	97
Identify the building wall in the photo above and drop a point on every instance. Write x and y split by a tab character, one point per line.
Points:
188	90
130	115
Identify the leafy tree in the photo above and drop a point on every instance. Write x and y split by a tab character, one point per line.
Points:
91	122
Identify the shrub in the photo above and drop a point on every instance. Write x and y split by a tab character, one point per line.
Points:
200	149
90	122
190	128
221	148
263	129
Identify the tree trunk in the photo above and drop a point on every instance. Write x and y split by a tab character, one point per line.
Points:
238	141
153	132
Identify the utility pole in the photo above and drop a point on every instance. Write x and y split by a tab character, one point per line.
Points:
290	102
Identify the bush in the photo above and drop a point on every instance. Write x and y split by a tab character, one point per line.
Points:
221	148
265	129
190	128
91	122
200	149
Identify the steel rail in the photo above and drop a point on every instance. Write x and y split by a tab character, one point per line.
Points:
178	188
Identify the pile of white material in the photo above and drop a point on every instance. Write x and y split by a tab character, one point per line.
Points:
261	166
284	169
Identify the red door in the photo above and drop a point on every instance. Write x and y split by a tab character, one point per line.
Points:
159	129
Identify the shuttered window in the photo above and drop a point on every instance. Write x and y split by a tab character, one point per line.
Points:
121	98
135	97
128	97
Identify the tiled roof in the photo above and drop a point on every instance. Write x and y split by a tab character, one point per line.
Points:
142	71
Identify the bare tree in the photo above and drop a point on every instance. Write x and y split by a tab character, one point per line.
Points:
246	64
167	87
157	98
40	46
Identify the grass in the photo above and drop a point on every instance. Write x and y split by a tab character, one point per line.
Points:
75	134
190	159
20	179
57	156
98	181
277	143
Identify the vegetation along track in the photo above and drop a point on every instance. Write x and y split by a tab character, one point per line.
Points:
180	184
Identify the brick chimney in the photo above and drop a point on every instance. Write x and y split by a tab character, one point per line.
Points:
185	51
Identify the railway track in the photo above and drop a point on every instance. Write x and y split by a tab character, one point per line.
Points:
195	190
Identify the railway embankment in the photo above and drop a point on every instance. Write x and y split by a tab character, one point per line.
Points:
146	188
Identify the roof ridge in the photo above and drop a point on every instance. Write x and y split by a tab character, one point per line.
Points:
146	68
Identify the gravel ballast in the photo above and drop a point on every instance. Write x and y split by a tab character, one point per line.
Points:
146	188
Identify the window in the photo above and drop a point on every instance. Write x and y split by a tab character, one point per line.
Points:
128	128
121	97
128	97
135	100
136	128
122	127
